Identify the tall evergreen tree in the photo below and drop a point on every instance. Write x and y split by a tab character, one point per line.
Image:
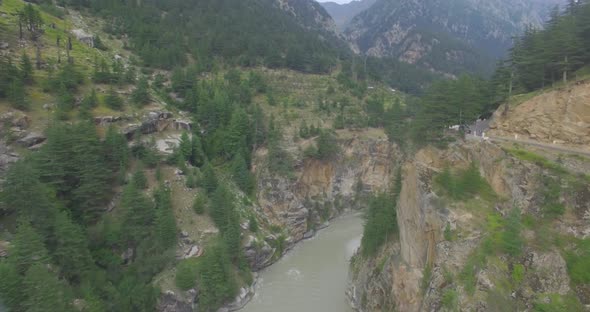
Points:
29	248
11	286
166	231
44	291
71	252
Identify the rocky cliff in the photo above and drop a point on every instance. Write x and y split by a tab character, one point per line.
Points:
317	191
559	116
444	256
444	36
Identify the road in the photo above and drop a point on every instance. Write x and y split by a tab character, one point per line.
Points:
554	147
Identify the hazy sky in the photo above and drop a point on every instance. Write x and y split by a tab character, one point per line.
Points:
337	1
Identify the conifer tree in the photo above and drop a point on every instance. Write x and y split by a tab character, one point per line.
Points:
198	157
24	193
165	221
26	68
209	182
200	203
113	101
185	146
141	96
242	176
71	251
17	95
139	178
11	286
29	248
44	291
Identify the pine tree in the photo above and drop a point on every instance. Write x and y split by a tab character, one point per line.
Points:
216	282
141	96
139	178
139	214
232	236
116	150
185	146
91	192
17	95
198	157
71	251
44	291
29	248
24	193
200	203
11	286
165	221
113	101
242	176
26	68
222	207
209	179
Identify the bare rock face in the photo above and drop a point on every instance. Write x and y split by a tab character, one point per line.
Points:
560	116
394	279
172	302
31	139
298	202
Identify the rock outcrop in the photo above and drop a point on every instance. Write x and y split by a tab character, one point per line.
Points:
320	190
415	271
559	116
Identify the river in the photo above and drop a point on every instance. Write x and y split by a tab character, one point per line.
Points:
313	275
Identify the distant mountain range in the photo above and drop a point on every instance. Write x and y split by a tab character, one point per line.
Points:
446	36
344	13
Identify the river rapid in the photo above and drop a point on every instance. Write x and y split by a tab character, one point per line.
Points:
313	275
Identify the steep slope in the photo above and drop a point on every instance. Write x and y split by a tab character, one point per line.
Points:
309	13
559	116
504	249
344	13
446	36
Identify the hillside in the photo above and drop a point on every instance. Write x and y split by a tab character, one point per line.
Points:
344	13
448	37
560	116
135	185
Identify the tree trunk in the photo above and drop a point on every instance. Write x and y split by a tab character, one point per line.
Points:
38	54
565	71
20	29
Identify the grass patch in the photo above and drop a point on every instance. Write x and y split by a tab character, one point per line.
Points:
464	184
558	303
578	262
537	159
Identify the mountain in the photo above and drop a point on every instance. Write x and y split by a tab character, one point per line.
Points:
309	14
444	36
344	13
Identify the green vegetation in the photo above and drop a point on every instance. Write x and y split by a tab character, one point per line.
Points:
450	299
380	219
578	262
558	303
464	184
537	159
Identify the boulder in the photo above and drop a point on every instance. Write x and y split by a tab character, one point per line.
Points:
258	253
4	45
129	131
127	255
183	124
171	302
31	139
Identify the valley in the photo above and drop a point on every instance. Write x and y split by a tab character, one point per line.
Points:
263	155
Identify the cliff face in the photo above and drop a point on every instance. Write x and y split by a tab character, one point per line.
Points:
430	265
319	190
560	116
445	36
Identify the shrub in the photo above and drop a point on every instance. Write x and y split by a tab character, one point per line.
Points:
578	262
186	274
450	299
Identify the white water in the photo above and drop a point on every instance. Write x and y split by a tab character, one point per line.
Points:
313	276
